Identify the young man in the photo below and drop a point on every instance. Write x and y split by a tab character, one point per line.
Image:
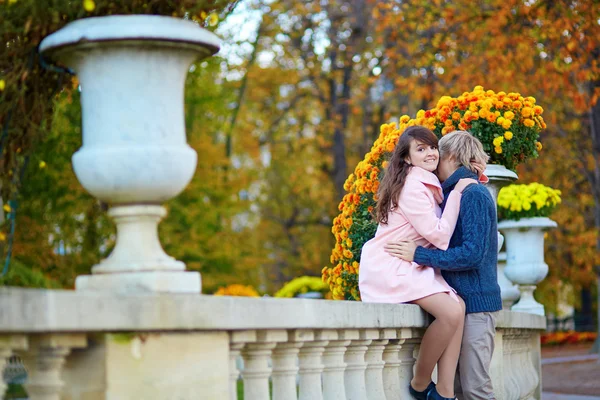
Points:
469	264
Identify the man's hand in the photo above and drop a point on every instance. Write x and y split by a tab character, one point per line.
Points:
404	250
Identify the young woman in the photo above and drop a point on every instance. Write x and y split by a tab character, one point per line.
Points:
408	209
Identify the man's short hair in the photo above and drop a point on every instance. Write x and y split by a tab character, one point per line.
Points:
464	147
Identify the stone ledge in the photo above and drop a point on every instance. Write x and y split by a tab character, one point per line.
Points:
35	310
514	319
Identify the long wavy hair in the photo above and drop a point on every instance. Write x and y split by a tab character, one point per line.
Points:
393	180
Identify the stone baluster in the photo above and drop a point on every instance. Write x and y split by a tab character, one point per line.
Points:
354	376
257	371
408	340
530	378
285	367
374	360
333	360
237	341
511	368
391	369
8	344
44	360
311	367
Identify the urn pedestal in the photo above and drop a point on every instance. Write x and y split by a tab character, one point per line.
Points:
501	176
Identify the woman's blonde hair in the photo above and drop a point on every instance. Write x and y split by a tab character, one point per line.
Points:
463	147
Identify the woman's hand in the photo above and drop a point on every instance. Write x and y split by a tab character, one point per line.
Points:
403	250
479	168
463	183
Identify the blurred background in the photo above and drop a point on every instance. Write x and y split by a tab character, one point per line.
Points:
281	116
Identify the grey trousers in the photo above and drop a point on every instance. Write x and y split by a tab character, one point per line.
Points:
473	380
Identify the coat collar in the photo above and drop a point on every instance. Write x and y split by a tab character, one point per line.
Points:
462	172
429	179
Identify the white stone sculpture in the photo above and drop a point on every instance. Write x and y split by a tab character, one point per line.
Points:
525	264
134	155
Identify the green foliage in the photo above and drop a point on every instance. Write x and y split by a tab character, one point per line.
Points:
24	276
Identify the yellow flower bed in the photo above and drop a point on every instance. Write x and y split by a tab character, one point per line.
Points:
507	124
237	290
302	284
527	201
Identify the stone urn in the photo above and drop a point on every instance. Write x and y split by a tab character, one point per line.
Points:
134	155
509	291
525	264
500	176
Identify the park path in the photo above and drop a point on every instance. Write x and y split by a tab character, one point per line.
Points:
570	372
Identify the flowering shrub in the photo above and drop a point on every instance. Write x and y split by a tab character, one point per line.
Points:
556	338
507	124
237	290
527	201
302	285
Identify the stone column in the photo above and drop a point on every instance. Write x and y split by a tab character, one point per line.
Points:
285	367
238	340
374	360
354	377
257	371
44	360
391	369
409	339
311	367
333	360
9	344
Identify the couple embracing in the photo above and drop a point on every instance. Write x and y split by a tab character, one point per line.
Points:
436	246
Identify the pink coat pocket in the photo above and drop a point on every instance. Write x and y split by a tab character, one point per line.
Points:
404	267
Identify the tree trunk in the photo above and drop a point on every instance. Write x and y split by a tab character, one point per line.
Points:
595	132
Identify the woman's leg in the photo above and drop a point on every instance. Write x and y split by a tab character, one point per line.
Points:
449	360
449	317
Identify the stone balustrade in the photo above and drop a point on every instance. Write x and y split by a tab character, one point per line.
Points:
91	345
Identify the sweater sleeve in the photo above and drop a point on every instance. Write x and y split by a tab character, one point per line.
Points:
418	206
469	254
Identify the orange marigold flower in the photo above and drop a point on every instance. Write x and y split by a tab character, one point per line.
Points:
538	146
528	123
538	110
455	116
526	112
517	104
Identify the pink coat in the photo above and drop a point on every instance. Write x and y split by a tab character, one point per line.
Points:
418	217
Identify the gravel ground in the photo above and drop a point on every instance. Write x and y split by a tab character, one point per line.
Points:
581	378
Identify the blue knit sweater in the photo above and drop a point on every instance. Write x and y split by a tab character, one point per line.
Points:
469	264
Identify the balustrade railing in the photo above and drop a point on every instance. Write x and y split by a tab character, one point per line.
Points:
83	345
